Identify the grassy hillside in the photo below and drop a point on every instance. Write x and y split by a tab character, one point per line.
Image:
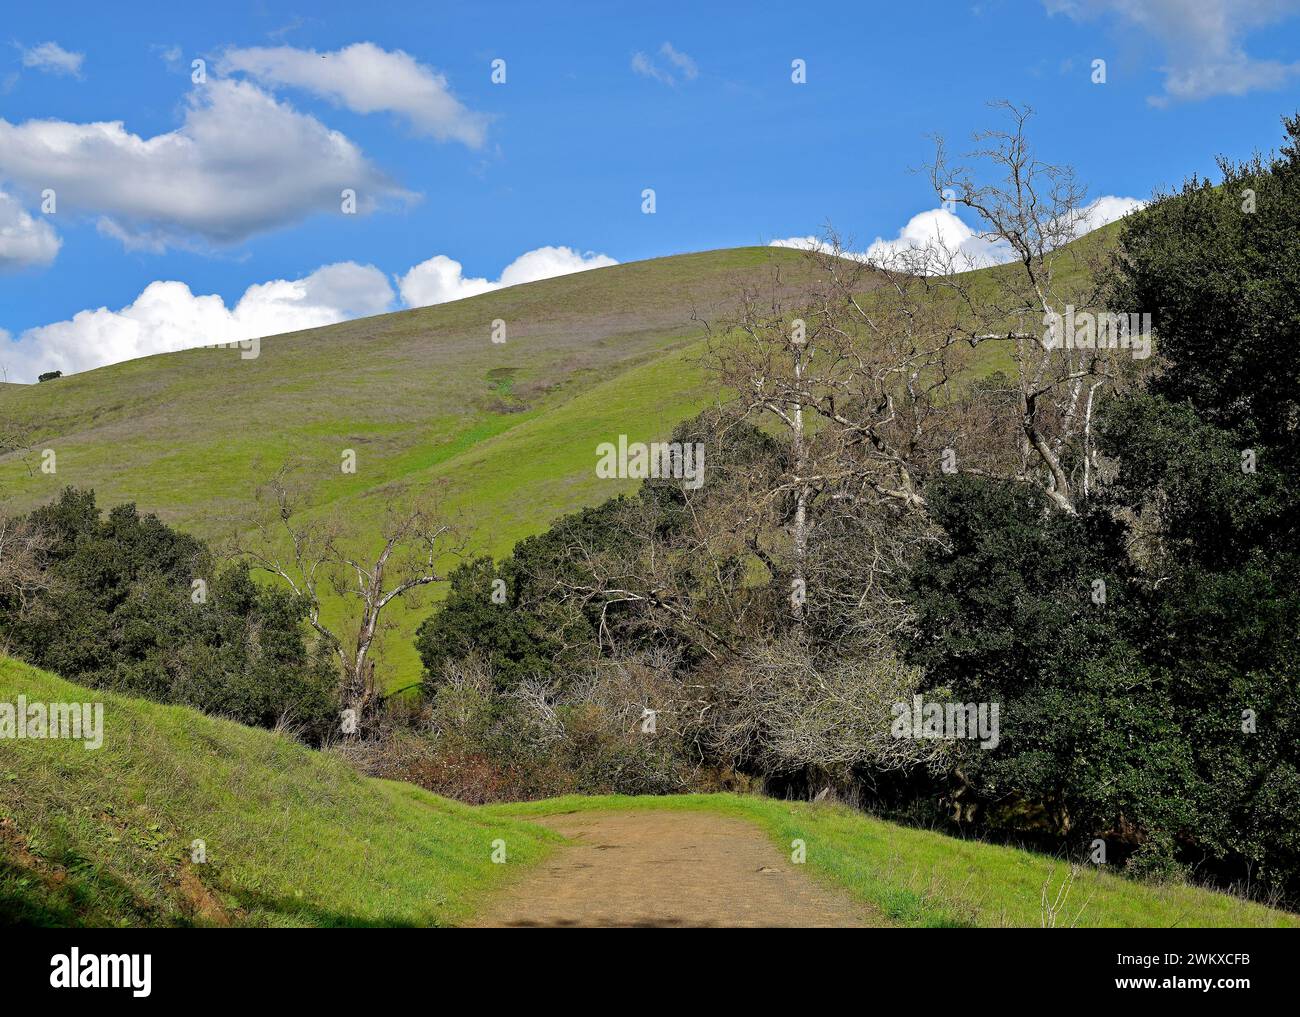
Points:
420	395
184	433
293	837
296	837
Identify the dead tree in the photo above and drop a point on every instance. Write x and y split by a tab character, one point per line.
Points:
1034	211
871	372
311	554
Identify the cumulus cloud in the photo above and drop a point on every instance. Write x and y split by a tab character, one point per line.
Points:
241	163
167	317
24	239
671	65
366	79
940	227
1106	209
441	279
1203	41
53	59
925	229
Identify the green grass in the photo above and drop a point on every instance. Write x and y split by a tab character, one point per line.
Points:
293	836
422	396
296	837
922	878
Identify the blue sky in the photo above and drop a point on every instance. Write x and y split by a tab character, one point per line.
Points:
234	182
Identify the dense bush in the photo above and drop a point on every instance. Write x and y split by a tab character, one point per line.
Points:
117	608
1212	472
1008	614
478	741
1167	722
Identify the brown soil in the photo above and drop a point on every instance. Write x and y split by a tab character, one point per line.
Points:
656	868
203	903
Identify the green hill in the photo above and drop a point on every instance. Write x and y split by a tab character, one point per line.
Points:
296	837
421	396
291	836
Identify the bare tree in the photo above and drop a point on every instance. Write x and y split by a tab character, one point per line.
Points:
313	554
854	389
781	705
23	574
16	440
657	585
1035	210
875	372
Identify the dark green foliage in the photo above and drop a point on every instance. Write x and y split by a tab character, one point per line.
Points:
1007	602
555	601
120	613
590	584
1169	721
1223	287
515	637
531	632
1121	721
1008	613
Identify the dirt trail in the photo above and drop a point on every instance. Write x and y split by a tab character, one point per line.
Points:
656	868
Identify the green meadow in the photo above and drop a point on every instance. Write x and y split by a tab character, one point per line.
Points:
294	836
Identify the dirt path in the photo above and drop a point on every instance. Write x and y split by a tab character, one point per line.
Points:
656	868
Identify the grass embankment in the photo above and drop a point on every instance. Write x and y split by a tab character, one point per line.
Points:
296	837
922	878
292	836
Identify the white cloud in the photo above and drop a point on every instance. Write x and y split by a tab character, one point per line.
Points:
53	59
1106	209
685	64
367	79
1203	41
937	227
241	163
940	228
645	67
678	64
438	280
441	279
171	55
24	239
167	317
